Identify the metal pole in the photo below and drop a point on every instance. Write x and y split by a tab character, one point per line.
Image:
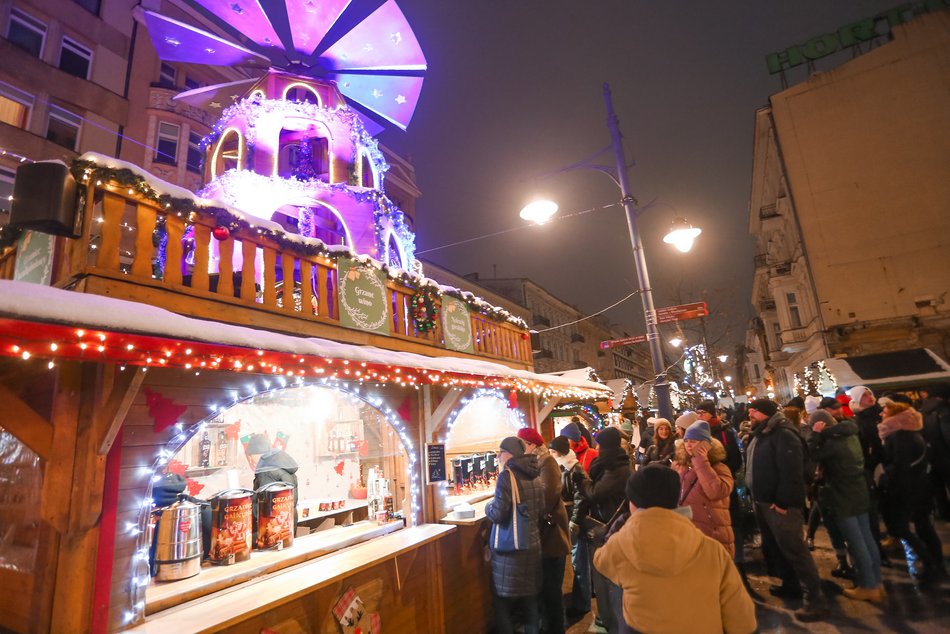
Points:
662	388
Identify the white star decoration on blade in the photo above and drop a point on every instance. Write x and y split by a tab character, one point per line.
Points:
214	104
172	41
237	8
396	37
400	99
367	47
377	93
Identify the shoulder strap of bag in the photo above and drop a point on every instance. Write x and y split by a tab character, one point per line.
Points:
686	492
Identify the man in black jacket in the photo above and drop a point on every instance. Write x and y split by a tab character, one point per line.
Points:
775	473
936	412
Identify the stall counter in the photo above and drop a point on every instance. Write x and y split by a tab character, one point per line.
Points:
415	553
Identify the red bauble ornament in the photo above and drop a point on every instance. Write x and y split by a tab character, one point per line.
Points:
221	233
525	336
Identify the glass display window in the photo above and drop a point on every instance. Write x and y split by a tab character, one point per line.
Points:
299	462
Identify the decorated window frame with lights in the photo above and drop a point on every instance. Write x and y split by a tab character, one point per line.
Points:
471	436
321	461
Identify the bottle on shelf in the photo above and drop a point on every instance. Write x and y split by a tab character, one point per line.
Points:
205	450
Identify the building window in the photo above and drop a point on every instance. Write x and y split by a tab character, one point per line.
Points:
6	193
167	75
92	6
26	32
14	106
794	314
167	145
75	59
194	153
191	84
756	371
62	127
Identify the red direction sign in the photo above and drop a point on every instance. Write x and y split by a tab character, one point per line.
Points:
626	341
681	312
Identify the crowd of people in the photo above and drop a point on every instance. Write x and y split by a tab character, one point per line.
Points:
650	508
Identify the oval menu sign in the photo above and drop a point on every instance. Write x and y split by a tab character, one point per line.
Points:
456	325
362	297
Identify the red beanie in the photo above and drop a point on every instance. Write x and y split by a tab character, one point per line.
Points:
530	435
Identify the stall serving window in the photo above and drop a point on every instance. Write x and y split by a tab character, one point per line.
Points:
471	443
277	479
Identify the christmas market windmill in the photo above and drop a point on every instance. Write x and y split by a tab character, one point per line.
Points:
378	64
294	140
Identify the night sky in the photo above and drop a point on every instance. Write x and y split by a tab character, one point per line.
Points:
513	90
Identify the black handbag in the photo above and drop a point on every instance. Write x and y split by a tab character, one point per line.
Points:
594	530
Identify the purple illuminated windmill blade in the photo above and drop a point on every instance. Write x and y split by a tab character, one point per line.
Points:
383	41
217	97
392	97
247	17
310	20
175	41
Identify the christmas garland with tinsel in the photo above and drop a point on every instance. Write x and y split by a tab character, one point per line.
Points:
86	171
425	306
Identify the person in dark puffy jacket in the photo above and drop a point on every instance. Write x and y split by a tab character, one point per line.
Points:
516	575
845	500
276	466
604	495
907	495
555	538
935	409
572	474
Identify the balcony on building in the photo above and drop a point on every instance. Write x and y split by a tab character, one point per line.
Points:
578	338
120	253
541	320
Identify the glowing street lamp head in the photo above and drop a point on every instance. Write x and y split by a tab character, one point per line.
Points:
539	211
676	341
682	235
723	358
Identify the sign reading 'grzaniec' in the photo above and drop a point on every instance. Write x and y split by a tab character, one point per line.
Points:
456	325
362	296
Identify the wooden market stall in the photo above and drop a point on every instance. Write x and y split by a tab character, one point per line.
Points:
220	410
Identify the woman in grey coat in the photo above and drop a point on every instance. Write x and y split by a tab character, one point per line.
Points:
516	576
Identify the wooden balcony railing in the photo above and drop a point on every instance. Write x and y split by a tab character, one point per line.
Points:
119	243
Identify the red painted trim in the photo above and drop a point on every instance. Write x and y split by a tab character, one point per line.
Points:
107	530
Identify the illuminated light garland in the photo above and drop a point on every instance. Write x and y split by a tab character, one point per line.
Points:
140	573
35	339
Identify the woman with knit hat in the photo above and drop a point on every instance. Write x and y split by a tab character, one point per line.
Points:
706	483
907	494
664	443
579	445
516	575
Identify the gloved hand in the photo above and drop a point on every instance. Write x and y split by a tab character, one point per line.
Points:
575	530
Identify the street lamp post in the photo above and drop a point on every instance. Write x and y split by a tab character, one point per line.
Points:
681	236
662	388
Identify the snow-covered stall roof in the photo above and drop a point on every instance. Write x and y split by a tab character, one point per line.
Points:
24	302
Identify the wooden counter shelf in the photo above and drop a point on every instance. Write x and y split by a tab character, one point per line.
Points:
264	594
163	595
468	521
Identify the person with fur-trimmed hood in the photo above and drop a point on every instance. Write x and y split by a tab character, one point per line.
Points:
907	494
706	483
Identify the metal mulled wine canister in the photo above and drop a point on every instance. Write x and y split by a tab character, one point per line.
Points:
231	525
274	524
178	544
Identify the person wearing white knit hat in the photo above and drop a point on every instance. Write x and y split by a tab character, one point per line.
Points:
685	420
811	404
